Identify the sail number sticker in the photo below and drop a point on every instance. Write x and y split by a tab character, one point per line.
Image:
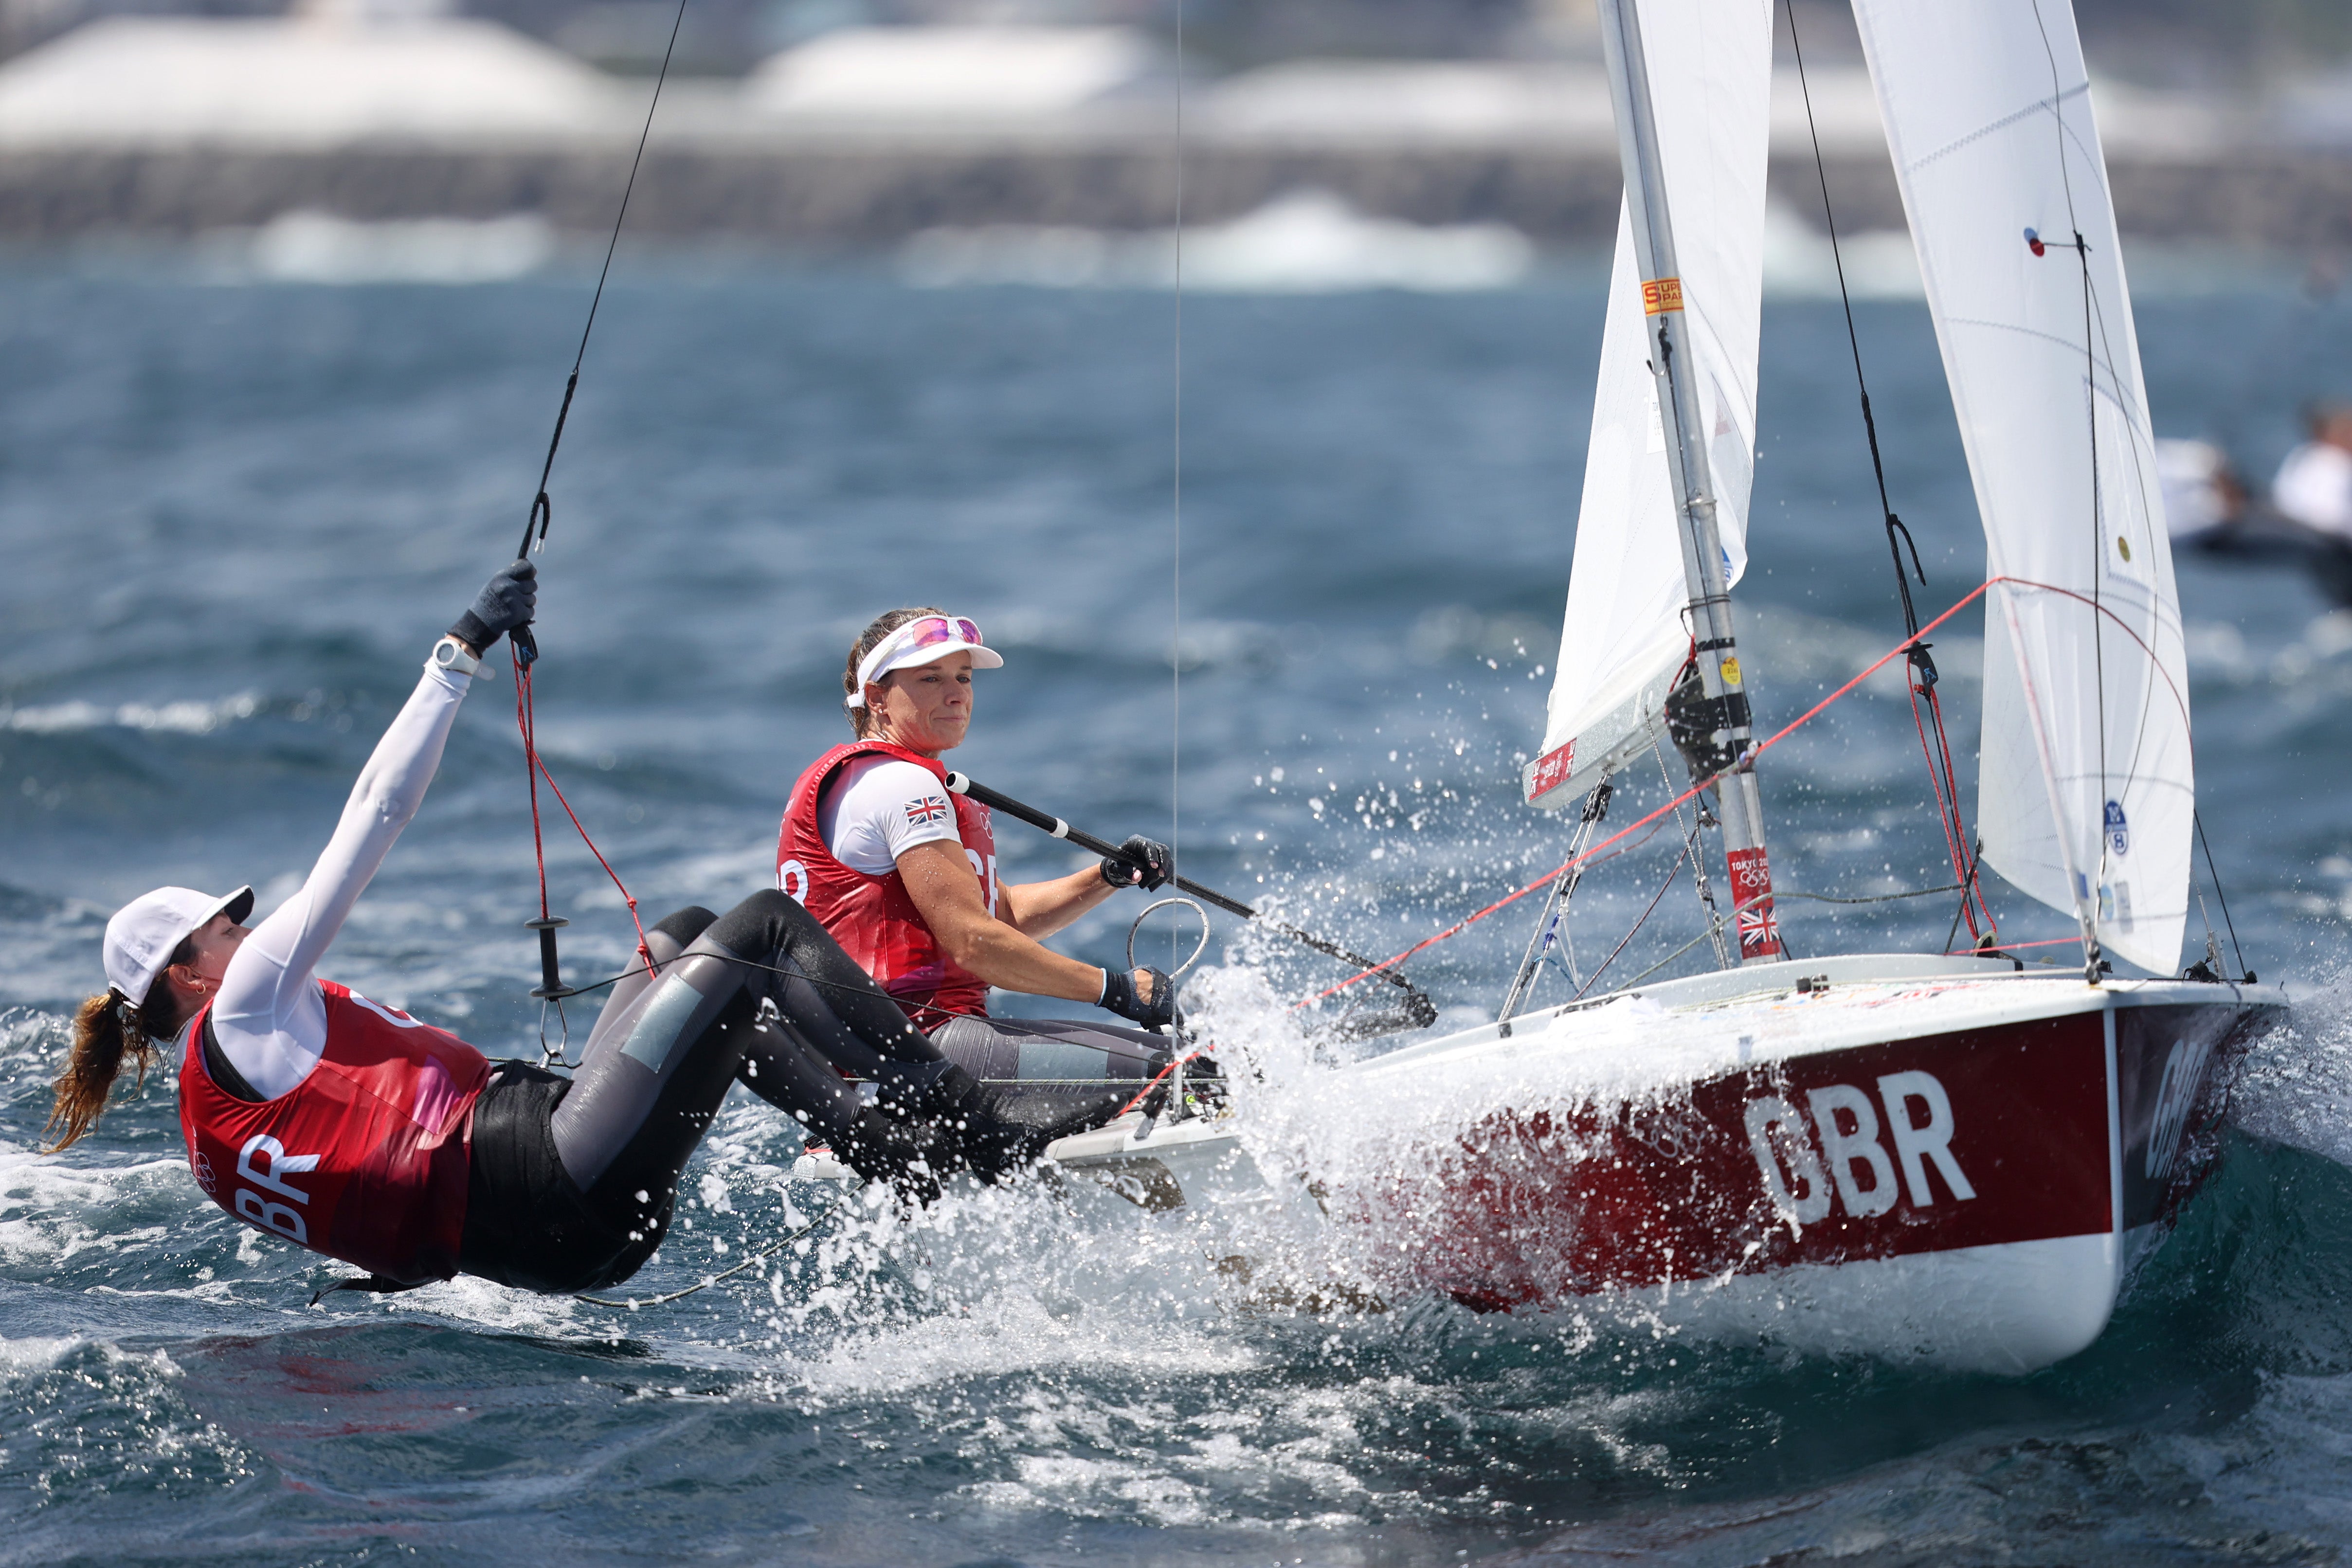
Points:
1660	295
1551	771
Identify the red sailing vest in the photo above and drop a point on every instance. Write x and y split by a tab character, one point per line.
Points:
873	918
365	1159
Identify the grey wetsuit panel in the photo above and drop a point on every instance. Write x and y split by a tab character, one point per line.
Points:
1063	1050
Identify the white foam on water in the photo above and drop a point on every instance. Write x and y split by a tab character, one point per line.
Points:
1303	242
18	1356
480	1303
320	247
2295	1085
1011	1332
187	718
1386	1150
51	1208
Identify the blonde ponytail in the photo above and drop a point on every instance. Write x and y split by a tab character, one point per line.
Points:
104	1028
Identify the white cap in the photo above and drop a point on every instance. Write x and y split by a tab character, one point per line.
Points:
922	640
141	936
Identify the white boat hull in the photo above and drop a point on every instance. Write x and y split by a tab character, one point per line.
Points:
1722	1155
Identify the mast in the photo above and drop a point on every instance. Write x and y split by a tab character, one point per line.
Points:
1720	719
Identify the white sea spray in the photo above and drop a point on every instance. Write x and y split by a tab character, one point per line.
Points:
2294	1085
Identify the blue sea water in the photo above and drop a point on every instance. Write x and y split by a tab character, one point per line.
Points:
236	514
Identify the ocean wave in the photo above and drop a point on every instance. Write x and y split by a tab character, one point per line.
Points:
2295	1086
322	249
1304	242
183	717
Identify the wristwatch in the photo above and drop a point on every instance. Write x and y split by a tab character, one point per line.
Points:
450	654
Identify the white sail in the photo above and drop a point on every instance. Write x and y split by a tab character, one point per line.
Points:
2087	786
1710	72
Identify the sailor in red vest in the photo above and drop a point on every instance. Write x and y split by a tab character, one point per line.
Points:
902	874
359	1132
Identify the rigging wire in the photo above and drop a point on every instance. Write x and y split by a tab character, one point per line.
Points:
1555	919
524	648
1875	898
1699	867
1176	500
1952	932
1664	961
2214	876
1688	852
1926	705
542	510
1979	591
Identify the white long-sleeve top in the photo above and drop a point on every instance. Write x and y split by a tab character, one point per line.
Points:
269	1016
2314	488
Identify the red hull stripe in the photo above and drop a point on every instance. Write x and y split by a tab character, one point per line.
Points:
1920	1146
1977	1138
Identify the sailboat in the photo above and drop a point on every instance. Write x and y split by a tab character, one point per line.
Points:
1955	1158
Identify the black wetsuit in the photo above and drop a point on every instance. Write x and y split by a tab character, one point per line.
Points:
573	1180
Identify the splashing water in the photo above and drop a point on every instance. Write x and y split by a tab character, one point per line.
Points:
231	510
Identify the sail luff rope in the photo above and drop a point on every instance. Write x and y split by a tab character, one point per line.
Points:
1935	743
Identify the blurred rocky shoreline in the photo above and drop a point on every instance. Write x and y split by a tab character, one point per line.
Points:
182	126
847	194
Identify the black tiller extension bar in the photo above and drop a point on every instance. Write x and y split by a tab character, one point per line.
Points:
1418	1007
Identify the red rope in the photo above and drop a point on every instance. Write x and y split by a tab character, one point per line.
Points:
524	722
1898	650
2006	946
536	769
1164	1072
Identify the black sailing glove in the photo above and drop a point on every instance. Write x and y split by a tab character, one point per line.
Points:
1140	862
504	605
1119	995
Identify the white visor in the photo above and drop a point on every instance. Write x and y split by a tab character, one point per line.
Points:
926	640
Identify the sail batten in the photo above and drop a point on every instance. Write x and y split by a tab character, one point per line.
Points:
2086	795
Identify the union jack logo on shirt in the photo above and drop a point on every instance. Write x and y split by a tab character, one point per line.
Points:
929	808
1759	934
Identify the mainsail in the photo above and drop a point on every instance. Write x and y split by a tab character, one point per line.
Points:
1710	73
2085	789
